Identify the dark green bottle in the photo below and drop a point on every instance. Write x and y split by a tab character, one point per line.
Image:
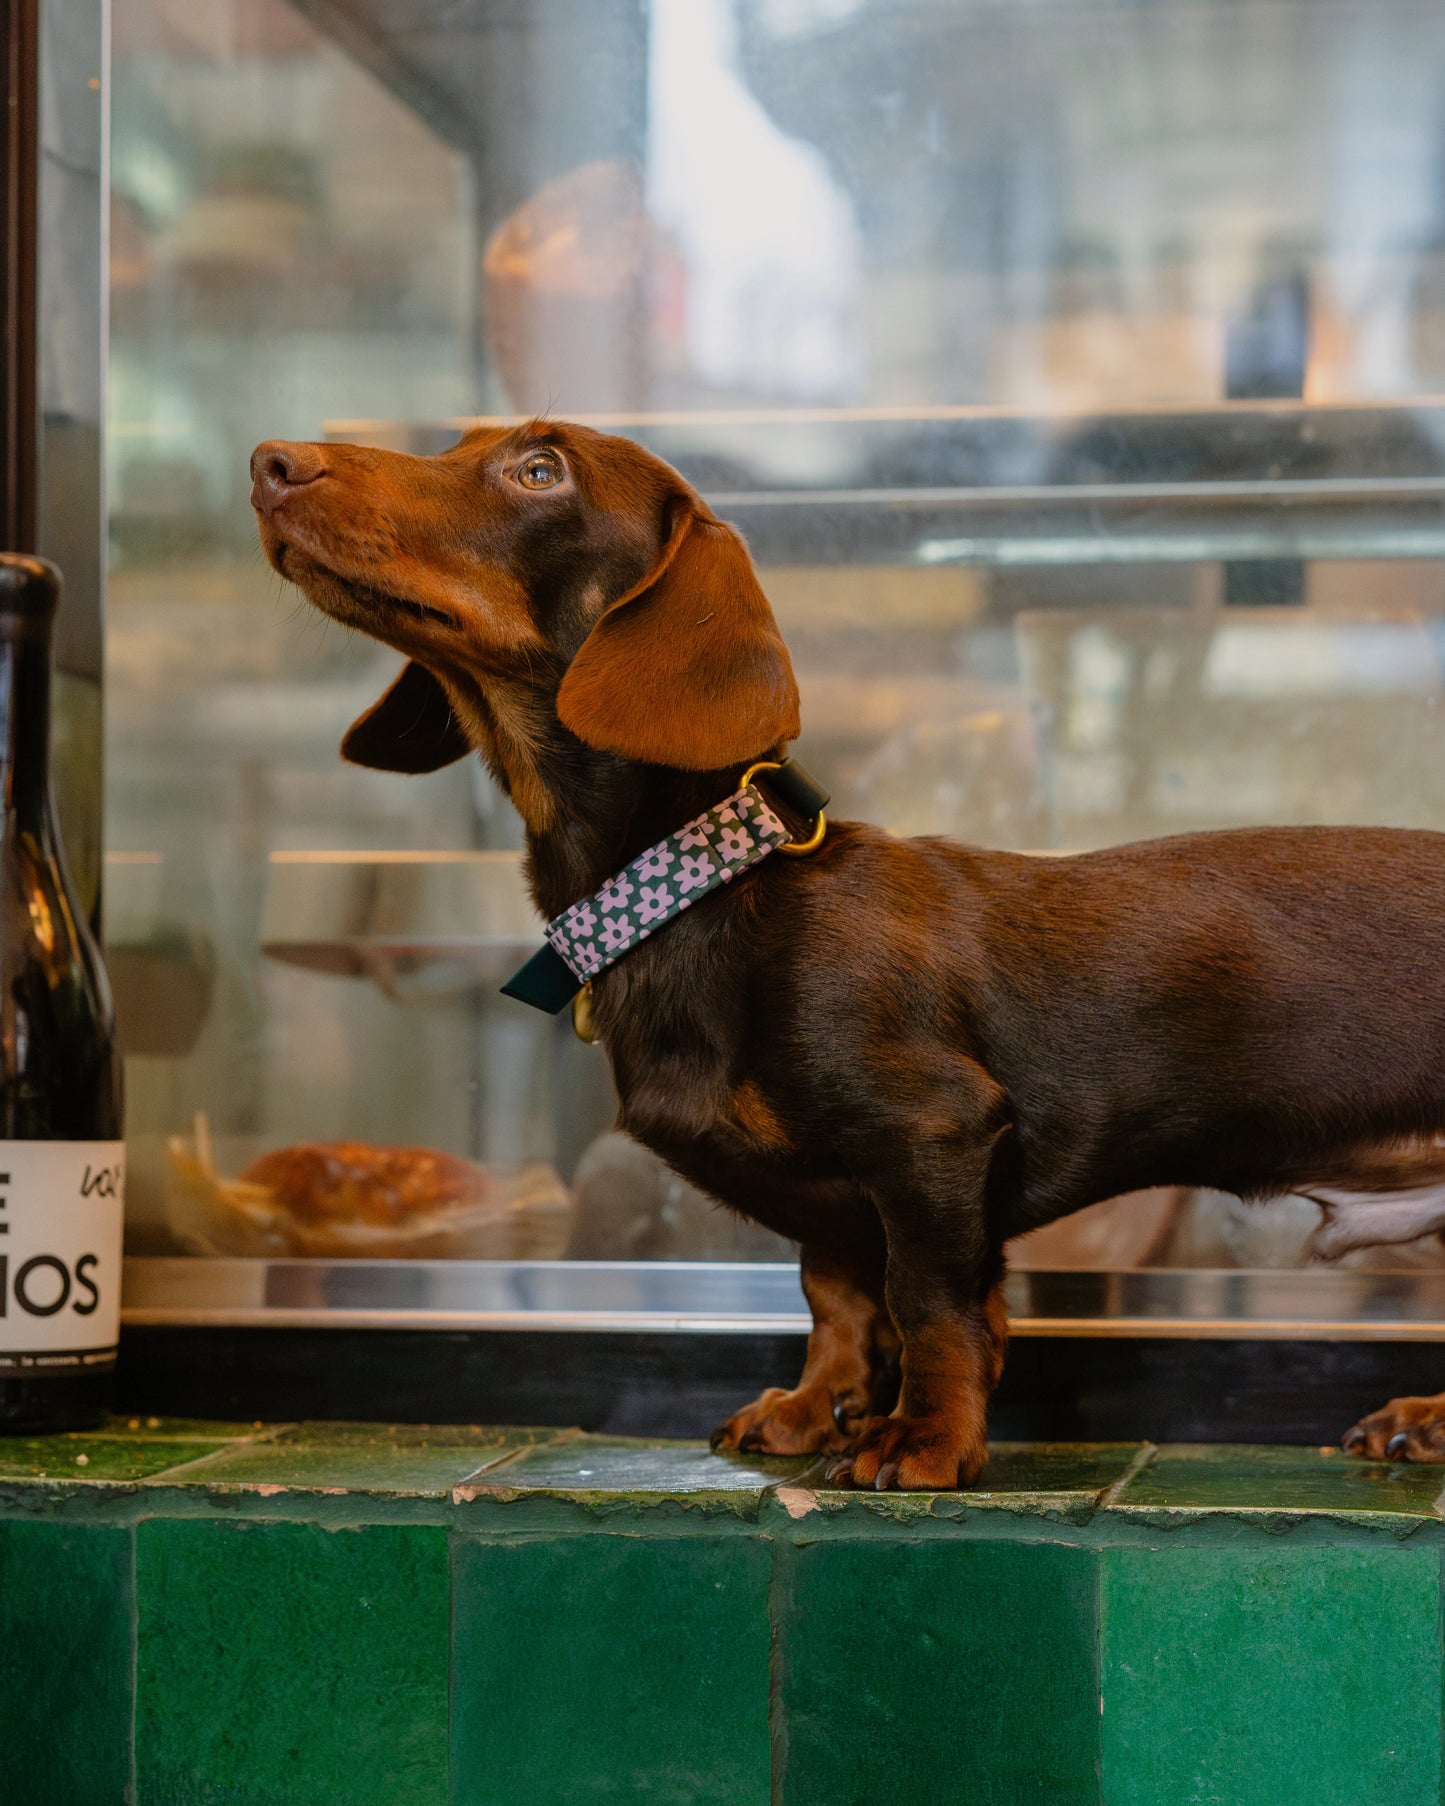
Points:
62	1160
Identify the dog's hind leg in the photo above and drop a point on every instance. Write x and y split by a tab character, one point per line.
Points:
852	1351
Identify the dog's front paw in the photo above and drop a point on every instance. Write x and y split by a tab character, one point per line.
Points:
807	1421
915	1454
1408	1429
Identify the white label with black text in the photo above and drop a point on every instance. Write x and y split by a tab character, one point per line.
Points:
62	1205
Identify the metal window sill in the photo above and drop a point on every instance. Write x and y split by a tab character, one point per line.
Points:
680	1297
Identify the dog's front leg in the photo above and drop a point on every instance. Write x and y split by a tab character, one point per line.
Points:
850	1350
944	1293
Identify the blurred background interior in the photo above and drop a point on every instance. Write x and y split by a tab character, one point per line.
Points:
1075	371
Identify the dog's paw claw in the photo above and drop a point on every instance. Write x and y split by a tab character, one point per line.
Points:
839	1471
1408	1429
914	1454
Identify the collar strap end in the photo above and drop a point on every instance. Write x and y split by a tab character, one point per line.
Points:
547	982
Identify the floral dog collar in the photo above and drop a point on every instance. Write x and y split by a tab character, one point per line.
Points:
705	853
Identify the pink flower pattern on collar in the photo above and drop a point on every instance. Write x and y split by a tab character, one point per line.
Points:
714	848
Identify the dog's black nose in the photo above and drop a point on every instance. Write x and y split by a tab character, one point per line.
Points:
278	467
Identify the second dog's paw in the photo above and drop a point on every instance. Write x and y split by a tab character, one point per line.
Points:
1408	1429
806	1421
914	1454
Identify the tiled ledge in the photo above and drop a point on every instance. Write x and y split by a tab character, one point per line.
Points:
348	1614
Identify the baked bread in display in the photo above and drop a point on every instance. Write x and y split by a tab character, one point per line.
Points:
344	1200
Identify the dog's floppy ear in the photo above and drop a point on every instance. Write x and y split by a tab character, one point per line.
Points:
688	668
412	727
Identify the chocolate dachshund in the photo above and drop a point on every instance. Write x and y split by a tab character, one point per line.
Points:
898	1053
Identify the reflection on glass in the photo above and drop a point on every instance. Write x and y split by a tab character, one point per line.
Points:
1074	372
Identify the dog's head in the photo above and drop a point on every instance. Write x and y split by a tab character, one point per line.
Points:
546	560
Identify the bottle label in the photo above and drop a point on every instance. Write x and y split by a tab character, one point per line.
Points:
62	1205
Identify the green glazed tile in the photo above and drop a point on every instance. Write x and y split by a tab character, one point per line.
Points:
1275	1676
954	1671
1242	1477
65	1640
93	1457
378	1462
121	1449
286	1665
1063	1482
1056	1466
186	1429
610	1668
418	1435
661	1469
1049	1471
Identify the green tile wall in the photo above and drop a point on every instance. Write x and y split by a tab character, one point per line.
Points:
291	1664
611	1668
357	1615
1271	1676
65	1663
937	1671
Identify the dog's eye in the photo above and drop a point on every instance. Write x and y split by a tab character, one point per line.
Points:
543	470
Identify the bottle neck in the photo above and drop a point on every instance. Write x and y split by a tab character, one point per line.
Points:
25	725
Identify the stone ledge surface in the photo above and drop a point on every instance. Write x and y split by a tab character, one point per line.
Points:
341	1614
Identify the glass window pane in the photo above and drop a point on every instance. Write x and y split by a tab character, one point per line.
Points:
1075	372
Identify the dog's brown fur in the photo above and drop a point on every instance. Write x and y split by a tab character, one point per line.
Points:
898	1053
